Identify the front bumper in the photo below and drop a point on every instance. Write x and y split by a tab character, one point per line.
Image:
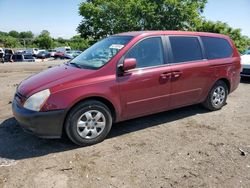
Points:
43	124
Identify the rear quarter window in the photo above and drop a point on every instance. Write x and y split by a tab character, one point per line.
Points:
217	48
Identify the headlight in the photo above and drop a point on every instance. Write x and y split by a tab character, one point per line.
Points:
36	101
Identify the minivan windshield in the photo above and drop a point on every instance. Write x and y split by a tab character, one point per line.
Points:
100	53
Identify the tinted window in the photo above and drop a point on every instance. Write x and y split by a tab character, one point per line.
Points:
216	47
148	52
185	49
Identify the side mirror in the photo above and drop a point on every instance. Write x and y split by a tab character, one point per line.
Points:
128	64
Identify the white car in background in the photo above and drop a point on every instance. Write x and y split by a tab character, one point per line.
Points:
1	55
33	51
1	50
245	64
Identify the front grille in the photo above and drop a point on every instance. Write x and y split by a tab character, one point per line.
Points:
245	71
19	95
19	98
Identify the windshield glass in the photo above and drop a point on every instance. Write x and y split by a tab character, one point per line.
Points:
101	52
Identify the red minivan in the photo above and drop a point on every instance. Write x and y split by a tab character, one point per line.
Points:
126	76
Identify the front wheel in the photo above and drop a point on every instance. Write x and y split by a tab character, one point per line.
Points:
217	97
88	123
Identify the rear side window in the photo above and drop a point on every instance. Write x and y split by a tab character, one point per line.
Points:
217	48
185	49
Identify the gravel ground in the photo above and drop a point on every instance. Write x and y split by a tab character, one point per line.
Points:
187	147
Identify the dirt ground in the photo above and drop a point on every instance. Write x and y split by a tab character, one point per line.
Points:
187	147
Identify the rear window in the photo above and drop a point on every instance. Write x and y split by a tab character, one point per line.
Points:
217	48
185	49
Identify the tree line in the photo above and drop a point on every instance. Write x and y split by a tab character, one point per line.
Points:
102	18
27	39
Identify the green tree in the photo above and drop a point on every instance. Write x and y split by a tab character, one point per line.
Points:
78	43
44	40
14	34
45	33
26	35
3	33
9	42
61	40
104	17
241	42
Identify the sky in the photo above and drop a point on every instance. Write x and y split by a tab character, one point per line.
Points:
61	17
234	12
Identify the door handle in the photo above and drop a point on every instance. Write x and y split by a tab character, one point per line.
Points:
176	74
165	75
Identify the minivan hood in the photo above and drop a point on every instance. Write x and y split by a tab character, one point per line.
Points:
50	78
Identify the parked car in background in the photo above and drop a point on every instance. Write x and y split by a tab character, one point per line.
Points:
33	51
72	54
127	76
43	55
245	64
2	50
63	49
20	57
1	55
41	50
20	51
8	53
28	58
52	52
60	55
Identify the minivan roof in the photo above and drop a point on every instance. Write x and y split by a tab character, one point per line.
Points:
149	33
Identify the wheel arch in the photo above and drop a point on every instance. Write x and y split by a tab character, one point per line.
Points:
227	82
97	98
103	100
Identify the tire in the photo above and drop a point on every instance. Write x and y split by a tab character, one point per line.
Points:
88	123
217	96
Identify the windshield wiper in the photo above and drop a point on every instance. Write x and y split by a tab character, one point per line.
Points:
75	65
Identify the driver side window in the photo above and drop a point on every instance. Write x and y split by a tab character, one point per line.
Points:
148	52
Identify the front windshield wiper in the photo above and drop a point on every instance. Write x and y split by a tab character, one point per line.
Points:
75	65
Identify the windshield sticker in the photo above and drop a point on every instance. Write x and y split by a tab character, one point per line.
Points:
116	46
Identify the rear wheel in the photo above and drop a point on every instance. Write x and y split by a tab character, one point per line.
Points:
88	123
217	97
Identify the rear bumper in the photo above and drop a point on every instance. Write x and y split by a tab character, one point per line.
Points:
245	70
43	124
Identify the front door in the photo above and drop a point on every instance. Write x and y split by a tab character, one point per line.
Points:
146	89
